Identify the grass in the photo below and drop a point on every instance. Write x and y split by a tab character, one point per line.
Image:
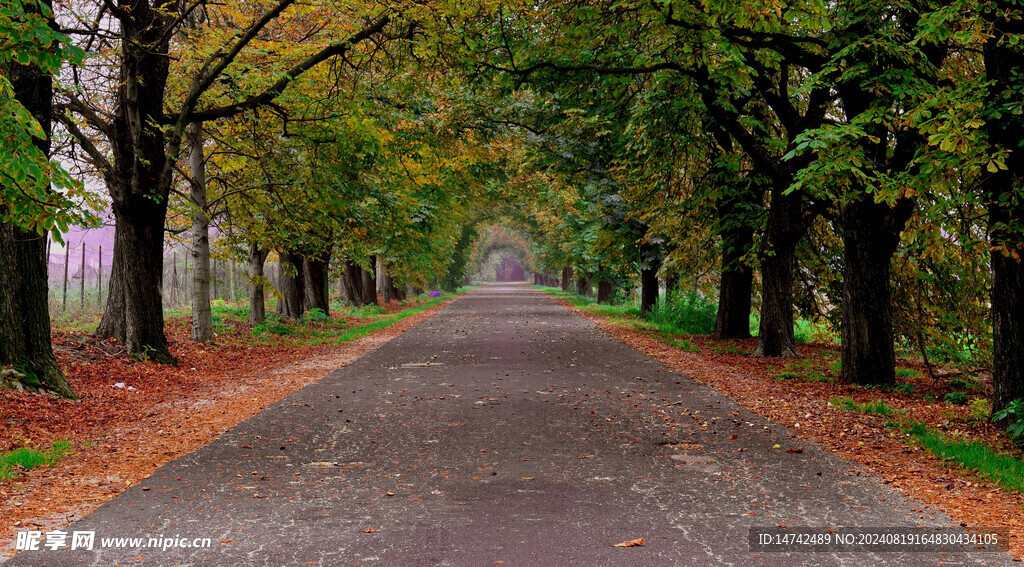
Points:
12	462
815	376
906	373
687	314
363	330
682	344
1004	470
874	407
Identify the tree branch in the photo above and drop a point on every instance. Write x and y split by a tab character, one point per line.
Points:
187	115
101	161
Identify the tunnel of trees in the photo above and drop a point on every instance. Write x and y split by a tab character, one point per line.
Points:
858	164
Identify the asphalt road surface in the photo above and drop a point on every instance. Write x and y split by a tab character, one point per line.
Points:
504	430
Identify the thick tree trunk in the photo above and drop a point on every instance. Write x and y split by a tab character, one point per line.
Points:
650	263
869	241
733	318
566	278
736	218
387	285
314	284
350	284
291	284
605	291
202	317
785	228
139	183
134	312
1004	64
257	307
648	289
368	283
26	351
583	287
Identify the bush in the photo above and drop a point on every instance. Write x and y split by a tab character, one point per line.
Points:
318	315
273	324
1014	413
688	313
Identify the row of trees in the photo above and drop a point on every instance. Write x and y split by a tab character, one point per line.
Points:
832	152
856	162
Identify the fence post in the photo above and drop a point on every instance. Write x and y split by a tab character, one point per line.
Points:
81	300
67	257
99	281
174	279
231	295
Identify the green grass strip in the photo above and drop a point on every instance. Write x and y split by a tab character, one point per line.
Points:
363	330
1005	471
12	462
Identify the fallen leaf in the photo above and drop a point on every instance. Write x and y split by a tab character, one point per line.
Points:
797	450
631	543
369	531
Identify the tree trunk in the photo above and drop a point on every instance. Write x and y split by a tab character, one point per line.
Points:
257	307
869	241
368	285
736	219
784	230
650	263
566	278
1003	65
202	317
671	283
291	284
605	291
314	282
733	318
583	287
139	182
351	281
25	342
25	314
387	285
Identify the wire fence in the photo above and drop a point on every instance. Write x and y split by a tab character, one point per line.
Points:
79	278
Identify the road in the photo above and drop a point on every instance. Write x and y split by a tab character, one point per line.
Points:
504	430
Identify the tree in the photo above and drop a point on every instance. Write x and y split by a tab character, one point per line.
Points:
1003	188
32	52
144	141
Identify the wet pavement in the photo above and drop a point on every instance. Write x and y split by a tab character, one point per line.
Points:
503	430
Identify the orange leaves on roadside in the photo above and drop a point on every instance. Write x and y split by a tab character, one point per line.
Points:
631	543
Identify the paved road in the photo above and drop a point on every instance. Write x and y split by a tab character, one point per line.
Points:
503	430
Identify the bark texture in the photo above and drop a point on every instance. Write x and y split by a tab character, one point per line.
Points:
1003	65
650	263
291	284
257	307
26	350
202	317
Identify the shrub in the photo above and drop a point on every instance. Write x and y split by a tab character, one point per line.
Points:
690	313
318	315
1014	413
955	398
